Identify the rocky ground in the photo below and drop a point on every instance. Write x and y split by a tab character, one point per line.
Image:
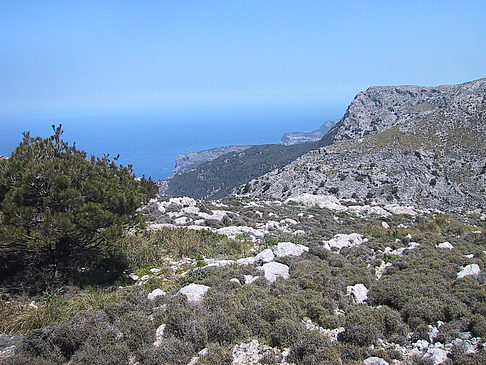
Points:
320	280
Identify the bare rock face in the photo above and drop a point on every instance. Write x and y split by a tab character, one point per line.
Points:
422	146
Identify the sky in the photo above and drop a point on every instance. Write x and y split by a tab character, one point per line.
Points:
95	57
150	79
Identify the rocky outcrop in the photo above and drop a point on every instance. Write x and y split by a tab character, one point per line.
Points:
188	161
409	145
290	138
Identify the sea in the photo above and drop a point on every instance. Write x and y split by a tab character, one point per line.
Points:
150	141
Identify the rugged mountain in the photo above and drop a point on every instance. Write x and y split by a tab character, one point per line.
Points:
219	177
408	144
290	138
187	161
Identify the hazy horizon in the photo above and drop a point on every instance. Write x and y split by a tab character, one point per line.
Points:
189	63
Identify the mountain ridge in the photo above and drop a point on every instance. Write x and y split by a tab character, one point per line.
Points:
407	144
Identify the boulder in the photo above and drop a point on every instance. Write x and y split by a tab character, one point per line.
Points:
194	292
250	279
435	355
340	241
156	293
159	334
469	270
246	261
375	361
359	292
265	256
289	249
446	244
273	270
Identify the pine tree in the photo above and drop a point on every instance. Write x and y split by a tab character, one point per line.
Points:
60	210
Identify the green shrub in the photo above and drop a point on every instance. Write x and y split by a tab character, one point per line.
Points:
171	351
60	210
314	348
285	332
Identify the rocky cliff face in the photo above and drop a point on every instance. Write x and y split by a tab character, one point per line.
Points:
290	138
407	144
188	161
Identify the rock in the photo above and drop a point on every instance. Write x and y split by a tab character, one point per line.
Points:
154	271
246	261
247	353
401	210
181	221
265	256
159	334
340	241
381	269
359	292
203	352
469	270
8	345
446	245
435	355
234	231
250	279
194	292
235	280
421	345
322	201
385	225
145	277
289	249
273	270
134	277
156	293
218	263
375	361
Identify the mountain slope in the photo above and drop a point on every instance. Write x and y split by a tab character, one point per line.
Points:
218	178
408	144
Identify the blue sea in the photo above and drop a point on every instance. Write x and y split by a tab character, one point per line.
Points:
151	141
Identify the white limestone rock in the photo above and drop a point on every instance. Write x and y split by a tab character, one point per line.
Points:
246	261
250	279
469	270
385	225
159	335
289	249
218	263
235	280
359	292
401	210
375	361
322	201
436	355
274	270
194	292
446	245
265	256
340	241
156	293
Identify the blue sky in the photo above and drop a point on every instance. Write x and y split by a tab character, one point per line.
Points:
61	58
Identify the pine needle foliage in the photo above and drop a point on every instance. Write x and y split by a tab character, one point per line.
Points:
61	210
